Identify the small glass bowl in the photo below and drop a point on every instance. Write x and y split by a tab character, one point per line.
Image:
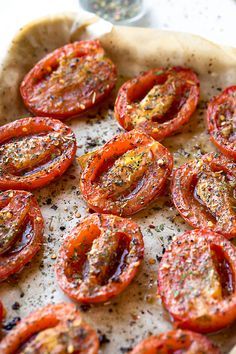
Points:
121	12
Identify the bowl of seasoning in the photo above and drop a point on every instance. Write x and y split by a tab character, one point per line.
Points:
116	11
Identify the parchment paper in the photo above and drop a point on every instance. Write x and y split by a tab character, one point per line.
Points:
137	312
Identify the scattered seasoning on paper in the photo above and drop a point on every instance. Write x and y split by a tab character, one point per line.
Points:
114	10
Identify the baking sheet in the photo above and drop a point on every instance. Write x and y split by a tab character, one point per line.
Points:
137	312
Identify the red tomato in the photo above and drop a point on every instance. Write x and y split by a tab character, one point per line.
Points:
196	278
33	152
21	231
158	101
126	174
203	191
99	259
69	80
53	329
178	341
221	121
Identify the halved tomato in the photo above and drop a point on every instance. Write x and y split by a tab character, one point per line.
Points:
203	191
178	341
21	230
126	174
99	259
33	152
221	121
197	281
158	101
69	80
53	329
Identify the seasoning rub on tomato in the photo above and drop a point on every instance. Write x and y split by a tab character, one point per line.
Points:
221	121
52	329
196	280
21	230
126	174
177	341
69	80
158	101
33	152
99	259
203	191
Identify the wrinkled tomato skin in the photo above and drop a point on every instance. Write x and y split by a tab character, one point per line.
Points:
187	286
131	90
65	97
54	169
83	235
189	207
10	262
49	316
151	184
176	341
228	99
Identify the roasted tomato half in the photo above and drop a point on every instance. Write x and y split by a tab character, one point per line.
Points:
158	101
21	230
221	120
203	191
126	174
99	259
33	152
178	341
53	329
69	80
197	281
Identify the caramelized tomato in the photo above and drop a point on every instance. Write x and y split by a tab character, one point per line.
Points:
178	341
100	257
221	120
69	80
203	191
126	174
53	329
197	281
21	230
33	152
158	101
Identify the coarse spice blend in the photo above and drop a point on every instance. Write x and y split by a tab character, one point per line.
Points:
114	10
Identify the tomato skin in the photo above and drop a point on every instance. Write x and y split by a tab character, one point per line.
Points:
50	88
174	341
52	169
49	316
12	262
217	110
183	181
196	281
107	196
134	89
81	242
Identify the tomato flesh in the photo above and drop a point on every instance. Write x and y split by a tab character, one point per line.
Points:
21	231
126	174
53	329
221	121
203	191
33	152
176	342
197	281
158	101
69	80
100	258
